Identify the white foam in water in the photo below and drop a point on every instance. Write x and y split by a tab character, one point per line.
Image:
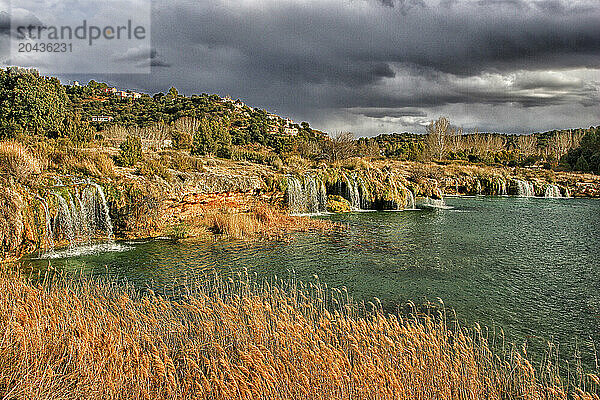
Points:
79	251
435	203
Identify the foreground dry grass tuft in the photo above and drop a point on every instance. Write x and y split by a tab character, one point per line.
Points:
18	161
262	221
237	340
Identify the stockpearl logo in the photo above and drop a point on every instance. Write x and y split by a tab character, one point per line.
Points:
89	33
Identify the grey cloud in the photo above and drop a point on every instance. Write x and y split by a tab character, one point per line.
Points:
318	62
373	112
143	56
404	6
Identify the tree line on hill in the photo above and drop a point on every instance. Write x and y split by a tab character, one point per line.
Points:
572	149
34	106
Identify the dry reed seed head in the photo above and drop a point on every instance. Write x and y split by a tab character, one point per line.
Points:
290	346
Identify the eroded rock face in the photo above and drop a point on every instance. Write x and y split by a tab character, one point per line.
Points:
215	182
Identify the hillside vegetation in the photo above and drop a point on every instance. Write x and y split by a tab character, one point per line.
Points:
37	107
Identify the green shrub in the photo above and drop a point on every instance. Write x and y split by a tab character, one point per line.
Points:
181	140
178	231
154	167
337	204
130	152
582	164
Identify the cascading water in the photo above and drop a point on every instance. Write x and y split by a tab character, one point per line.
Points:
63	222
552	191
48	225
435	203
501	187
295	195
309	196
478	187
322	197
81	215
353	192
312	196
410	199
525	189
365	198
107	221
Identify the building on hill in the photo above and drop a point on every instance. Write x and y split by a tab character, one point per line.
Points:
289	127
123	94
101	118
290	131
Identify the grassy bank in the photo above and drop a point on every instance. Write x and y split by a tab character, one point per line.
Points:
238	340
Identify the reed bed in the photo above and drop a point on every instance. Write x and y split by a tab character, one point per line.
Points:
259	221
236	339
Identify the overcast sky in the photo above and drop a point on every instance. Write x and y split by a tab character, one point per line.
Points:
375	66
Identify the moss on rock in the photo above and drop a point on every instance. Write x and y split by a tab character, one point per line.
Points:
337	204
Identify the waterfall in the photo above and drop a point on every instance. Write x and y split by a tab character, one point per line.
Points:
295	195
410	197
312	195
478	187
552	191
309	196
107	221
82	215
48	231
525	189
500	187
429	202
63	222
322	197
365	197
83	218
353	194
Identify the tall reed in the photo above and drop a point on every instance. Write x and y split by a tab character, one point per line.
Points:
236	339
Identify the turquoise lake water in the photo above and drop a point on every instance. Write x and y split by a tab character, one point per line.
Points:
528	265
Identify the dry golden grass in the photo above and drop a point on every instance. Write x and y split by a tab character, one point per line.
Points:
18	161
261	221
239	340
12	222
90	162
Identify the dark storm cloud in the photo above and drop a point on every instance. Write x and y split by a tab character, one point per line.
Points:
313	60
18	20
403	5
325	43
144	55
388	112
